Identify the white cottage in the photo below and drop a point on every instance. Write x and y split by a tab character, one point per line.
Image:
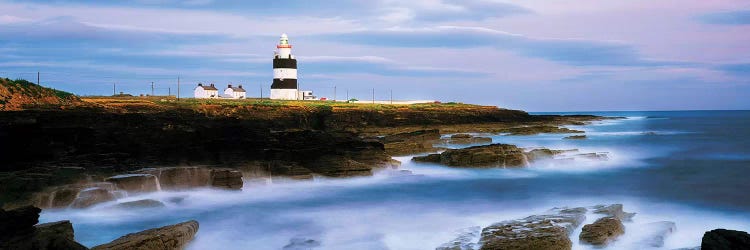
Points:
235	92
209	91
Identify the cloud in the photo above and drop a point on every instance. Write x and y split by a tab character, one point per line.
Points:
578	52
739	17
441	10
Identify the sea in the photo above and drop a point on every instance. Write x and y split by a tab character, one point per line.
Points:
688	167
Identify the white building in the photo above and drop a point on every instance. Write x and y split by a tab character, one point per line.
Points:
209	91
306	95
235	92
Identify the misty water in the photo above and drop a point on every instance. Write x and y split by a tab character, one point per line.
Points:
688	167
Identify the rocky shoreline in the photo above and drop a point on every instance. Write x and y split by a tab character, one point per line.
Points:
79	148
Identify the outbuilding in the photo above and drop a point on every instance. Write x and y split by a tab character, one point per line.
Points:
235	92
203	91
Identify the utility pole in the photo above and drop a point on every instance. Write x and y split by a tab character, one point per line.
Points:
152	88
261	90
391	95
178	88
373	96
114	88
334	93
37	79
347	95
169	90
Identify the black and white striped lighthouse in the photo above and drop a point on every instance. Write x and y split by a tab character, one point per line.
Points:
284	85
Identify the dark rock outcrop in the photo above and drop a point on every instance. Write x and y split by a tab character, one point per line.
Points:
602	231
177	178
226	179
413	142
538	232
19	232
170	237
18	221
135	183
493	155
723	239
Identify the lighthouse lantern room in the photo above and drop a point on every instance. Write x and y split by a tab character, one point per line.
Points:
284	85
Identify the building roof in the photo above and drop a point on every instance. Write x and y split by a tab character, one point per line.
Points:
237	89
208	87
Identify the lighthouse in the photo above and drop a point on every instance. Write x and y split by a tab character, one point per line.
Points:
284	85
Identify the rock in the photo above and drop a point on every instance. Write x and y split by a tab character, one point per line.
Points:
62	197
175	236
92	196
656	233
177	178
602	156
147	203
135	183
177	199
575	137
301	244
407	143
18	232
56	235
602	231
464	241
723	239
461	136
545	153
493	155
226	179
435	158
613	210
465	139
538	232
532	130
18	221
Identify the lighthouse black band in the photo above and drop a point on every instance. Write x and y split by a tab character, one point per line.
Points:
284	63
285	84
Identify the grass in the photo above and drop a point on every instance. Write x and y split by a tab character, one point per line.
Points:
192	103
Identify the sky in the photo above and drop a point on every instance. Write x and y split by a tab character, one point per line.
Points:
534	55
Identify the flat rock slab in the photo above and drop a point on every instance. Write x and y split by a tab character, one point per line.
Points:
135	183
602	231
538	232
493	155
170	237
139	204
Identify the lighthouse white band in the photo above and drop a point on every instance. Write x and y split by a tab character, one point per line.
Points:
285	73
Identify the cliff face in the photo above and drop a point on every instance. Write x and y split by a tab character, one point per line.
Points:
17	94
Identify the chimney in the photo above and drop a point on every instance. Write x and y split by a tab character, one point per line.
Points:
212	85
240	86
229	86
200	84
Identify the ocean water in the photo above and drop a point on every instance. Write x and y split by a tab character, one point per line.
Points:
689	167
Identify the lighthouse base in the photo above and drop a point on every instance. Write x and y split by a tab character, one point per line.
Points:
284	94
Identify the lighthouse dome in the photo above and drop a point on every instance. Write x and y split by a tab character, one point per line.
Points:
284	35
